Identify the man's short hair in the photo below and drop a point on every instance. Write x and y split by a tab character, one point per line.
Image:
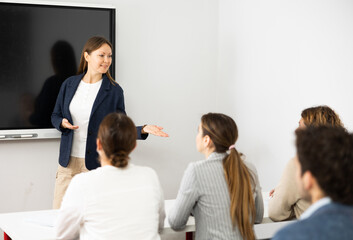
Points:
327	152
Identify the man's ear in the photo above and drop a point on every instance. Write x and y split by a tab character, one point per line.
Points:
308	181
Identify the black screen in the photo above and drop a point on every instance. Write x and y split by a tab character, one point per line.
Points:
40	46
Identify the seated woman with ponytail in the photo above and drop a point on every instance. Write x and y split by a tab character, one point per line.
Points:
117	200
222	192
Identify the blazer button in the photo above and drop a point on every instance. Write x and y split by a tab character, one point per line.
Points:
88	151
90	133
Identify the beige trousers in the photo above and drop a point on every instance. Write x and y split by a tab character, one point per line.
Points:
64	176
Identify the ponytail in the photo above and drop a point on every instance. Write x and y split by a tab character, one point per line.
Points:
117	134
223	132
242	206
120	159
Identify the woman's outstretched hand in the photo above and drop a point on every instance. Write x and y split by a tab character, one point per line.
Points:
154	130
66	124
272	192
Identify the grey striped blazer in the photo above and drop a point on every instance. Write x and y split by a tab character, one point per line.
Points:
204	193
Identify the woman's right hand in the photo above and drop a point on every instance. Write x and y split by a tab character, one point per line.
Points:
65	124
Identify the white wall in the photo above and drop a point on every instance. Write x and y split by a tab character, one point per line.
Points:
276	58
27	173
167	56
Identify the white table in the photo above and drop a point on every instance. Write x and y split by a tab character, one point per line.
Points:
38	225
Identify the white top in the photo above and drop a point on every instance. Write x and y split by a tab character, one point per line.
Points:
80	109
112	203
314	207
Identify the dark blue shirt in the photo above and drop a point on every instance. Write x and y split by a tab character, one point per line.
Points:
332	221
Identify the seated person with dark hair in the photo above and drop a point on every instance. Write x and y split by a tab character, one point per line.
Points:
325	175
118	200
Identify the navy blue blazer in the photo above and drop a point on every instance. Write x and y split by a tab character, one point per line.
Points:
110	98
332	221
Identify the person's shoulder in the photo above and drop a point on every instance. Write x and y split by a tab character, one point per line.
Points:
214	161
292	231
82	177
335	211
116	89
145	174
198	165
143	170
90	173
72	79
340	207
299	230
333	221
114	85
289	172
323	224
201	168
291	163
93	176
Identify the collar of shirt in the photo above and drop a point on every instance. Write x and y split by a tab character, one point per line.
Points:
106	167
314	207
216	155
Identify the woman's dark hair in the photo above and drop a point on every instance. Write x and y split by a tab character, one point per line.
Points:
91	45
327	152
117	134
223	132
321	115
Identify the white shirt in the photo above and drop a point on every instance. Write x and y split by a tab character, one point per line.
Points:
112	203
314	207
80	109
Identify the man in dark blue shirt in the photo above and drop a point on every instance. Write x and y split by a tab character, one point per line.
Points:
325	175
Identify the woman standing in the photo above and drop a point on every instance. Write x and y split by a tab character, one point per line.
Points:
223	191
83	101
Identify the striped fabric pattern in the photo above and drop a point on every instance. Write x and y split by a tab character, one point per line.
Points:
204	194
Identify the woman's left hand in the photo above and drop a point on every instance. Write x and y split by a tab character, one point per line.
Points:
272	192
154	130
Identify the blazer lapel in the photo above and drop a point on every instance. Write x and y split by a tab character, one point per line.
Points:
102	93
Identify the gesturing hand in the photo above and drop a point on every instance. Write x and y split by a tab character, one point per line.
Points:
154	130
65	124
272	192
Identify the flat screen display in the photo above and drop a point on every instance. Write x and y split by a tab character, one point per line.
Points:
40	46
